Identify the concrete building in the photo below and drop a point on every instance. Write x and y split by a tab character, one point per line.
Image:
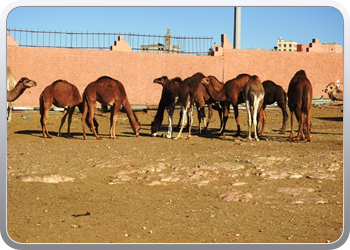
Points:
283	45
167	47
316	46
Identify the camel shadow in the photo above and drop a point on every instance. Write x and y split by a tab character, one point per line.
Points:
38	133
333	119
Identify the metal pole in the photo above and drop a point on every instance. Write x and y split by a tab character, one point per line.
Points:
237	38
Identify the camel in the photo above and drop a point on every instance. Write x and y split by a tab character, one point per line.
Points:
61	94
14	91
333	91
273	93
174	92
11	83
299	103
200	97
231	93
109	91
20	87
190	91
253	95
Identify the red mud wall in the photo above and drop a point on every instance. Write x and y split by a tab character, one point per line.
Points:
137	70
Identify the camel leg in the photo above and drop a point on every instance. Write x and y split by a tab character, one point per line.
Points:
300	119
84	119
285	117
63	120
114	114
261	121
190	118
291	126
91	121
43	120
70	114
308	126
184	121
210	115
249	120
9	111
235	107
255	114
224	120
170	111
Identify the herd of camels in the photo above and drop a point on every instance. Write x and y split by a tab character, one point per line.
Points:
197	90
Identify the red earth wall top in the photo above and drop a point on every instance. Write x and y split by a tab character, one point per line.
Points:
137	70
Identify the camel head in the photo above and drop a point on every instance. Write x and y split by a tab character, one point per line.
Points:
331	87
27	82
161	80
205	81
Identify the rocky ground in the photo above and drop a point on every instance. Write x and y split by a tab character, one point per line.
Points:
142	189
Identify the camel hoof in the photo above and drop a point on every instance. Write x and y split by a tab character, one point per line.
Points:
188	138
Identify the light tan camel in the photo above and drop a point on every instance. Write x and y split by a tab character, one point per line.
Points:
299	103
15	90
253	95
333	91
109	91
64	95
11	83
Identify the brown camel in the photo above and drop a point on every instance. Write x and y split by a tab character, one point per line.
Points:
200	97
253	95
273	93
299	103
109	91
231	93
64	95
20	87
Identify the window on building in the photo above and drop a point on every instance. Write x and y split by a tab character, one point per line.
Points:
285	45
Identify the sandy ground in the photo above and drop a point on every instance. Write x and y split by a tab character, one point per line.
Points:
145	190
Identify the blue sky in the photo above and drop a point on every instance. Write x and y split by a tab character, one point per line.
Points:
261	26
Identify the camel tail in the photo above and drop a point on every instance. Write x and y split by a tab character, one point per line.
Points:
131	115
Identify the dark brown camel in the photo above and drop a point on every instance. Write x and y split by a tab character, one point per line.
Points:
20	87
197	94
64	95
273	93
299	103
109	91
174	93
231	93
253	95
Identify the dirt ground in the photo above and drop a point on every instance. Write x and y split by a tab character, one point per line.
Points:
145	190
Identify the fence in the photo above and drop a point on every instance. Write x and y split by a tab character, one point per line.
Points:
103	41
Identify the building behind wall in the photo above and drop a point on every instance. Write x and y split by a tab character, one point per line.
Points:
283	45
316	46
167	47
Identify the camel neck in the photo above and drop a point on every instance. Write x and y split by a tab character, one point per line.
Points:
16	92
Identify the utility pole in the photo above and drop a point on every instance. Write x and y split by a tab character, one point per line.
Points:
237	31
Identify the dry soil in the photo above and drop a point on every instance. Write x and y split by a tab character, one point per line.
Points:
146	190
